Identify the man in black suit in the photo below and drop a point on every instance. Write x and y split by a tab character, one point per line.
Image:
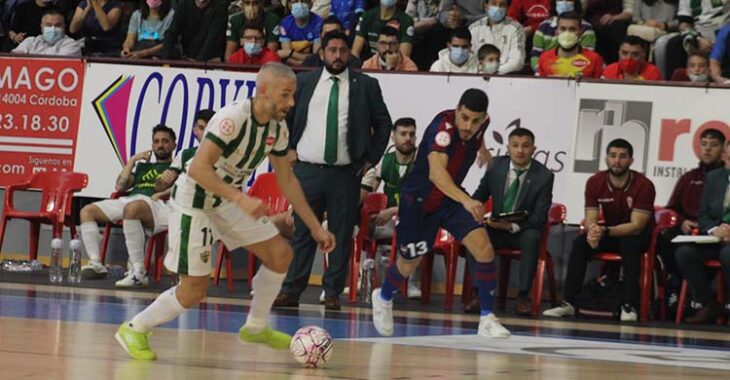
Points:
518	183
714	219
339	128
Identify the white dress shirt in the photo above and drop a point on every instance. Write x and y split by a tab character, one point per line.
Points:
311	146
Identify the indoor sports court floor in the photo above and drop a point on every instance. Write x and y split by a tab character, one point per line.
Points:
67	333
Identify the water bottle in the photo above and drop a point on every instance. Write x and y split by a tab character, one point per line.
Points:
366	280
54	273
74	262
384	264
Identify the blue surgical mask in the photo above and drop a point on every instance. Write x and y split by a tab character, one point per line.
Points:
252	48
564	6
52	34
387	3
496	14
300	10
458	55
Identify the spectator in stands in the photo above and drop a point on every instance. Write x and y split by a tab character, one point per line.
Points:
632	62
488	56
429	36
609	18
713	220
653	18
504	33
372	21
53	39
26	18
197	32
299	33
546	36
348	12
252	11
147	28
389	56
626	199
457	13
529	13
99	21
685	201
457	57
720	57
697	71
506	178
253	52
331	23
140	209
569	59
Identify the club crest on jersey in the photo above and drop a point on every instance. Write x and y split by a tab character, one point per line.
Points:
227	127
443	139
205	256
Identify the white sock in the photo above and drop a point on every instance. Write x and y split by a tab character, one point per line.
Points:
90	237
267	284
134	239
165	308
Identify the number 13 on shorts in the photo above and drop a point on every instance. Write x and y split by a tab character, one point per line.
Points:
414	250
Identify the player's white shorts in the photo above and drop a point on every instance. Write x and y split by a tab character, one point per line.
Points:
114	210
192	233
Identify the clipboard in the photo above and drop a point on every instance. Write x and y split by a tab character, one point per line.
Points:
512	217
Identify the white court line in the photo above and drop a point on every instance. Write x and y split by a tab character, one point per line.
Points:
573	349
35	140
35	149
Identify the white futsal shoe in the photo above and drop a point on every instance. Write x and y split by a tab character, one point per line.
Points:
490	327
133	280
382	314
564	310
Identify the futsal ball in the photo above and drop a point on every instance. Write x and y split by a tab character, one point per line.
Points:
311	346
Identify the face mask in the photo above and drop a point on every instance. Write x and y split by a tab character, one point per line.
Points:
490	67
496	14
52	34
629	65
458	55
154	3
567	40
250	12
252	48
697	78
564	6
387	3
300	10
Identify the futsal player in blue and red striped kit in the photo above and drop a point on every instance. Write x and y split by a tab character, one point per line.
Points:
432	198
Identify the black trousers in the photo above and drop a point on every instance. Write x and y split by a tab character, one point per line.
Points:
629	247
691	257
666	250
335	190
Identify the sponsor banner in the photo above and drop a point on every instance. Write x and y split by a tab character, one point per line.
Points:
39	116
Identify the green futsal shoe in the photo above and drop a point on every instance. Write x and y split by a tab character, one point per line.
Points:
135	343
268	336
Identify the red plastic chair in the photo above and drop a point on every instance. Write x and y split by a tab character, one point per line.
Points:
373	204
556	216
664	219
717	267
266	189
57	192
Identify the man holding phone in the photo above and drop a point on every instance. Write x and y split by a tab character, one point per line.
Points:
522	192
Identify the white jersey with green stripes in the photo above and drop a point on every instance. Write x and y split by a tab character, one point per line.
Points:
245	143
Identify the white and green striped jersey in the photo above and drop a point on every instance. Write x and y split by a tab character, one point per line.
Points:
245	144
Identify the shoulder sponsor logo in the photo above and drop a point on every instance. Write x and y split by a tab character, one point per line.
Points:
443	139
227	127
270	140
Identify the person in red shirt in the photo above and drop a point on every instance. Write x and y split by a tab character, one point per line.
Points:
632	63
253	50
529	13
569	59
626	199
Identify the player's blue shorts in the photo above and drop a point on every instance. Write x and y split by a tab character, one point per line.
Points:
416	230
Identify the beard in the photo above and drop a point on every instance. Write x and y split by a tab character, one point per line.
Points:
405	149
162	155
333	70
618	172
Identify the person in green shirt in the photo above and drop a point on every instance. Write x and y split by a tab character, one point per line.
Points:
372	21
252	12
141	208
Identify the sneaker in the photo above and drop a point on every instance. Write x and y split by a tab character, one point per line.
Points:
490	327
382	314
564	310
132	280
268	336
628	313
321	297
414	290
135	343
94	270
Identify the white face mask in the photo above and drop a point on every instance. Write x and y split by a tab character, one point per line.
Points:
697	78
490	67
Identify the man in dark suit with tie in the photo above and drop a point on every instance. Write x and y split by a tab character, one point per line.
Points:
339	128
714	219
518	183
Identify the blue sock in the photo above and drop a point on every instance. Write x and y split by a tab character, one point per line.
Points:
486	282
393	281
